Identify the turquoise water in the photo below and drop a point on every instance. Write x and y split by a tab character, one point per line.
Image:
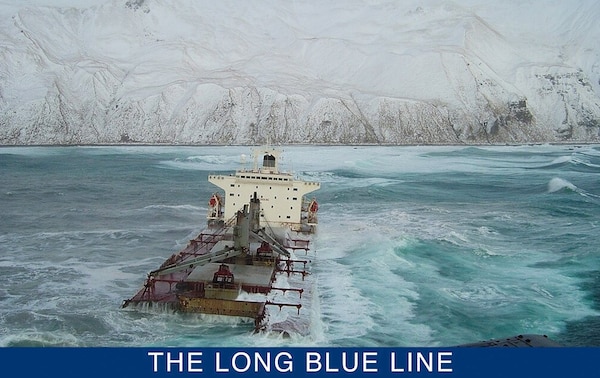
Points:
417	246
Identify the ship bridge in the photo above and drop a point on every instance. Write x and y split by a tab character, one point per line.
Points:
282	196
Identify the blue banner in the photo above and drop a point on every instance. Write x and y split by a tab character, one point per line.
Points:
306	362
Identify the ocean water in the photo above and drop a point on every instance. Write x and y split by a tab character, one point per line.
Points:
417	246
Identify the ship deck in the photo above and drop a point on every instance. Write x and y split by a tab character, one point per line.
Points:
250	275
184	285
162	289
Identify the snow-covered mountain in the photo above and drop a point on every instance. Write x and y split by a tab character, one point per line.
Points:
352	71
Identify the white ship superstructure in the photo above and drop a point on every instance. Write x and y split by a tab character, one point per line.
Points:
282	197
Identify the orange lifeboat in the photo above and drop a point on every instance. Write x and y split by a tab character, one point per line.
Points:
314	206
214	206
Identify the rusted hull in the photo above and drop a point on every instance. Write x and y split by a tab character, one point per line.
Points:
219	306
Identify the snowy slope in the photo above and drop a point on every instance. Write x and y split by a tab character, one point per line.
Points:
355	71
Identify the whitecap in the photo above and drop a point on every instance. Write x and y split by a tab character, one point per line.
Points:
556	163
561	159
557	184
210	159
204	162
40	339
585	161
175	207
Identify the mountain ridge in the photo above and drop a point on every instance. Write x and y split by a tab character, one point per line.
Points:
420	72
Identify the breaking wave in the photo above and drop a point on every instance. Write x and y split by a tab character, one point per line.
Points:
558	184
175	207
558	162
206	162
584	160
40	339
